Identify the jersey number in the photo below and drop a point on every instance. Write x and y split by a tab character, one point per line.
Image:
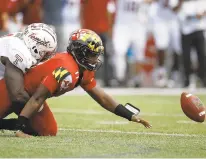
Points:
131	6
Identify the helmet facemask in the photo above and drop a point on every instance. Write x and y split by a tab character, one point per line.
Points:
85	57
47	56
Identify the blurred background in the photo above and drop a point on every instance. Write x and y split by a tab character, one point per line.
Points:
148	43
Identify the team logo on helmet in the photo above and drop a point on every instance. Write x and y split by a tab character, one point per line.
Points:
41	40
90	38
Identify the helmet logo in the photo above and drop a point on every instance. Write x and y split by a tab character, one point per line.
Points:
39	41
74	37
94	42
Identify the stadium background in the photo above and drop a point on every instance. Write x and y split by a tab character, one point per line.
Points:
66	16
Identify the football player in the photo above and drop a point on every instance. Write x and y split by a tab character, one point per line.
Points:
130	31
61	74
19	52
166	30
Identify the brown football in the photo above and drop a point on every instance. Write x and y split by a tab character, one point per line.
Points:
193	107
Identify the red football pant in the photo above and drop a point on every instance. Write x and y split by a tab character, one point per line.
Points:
42	122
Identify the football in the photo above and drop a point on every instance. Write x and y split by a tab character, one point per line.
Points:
193	107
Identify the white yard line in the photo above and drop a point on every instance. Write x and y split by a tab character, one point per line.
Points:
94	112
141	91
130	132
189	122
112	122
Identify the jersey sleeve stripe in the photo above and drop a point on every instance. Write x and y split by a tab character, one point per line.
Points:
60	73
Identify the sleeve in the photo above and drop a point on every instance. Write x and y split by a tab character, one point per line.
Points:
59	79
17	59
88	83
19	55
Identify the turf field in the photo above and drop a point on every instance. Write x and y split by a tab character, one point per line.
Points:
87	130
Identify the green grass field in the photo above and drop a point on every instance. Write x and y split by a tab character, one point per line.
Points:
87	130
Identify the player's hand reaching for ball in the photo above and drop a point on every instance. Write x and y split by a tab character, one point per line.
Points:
137	119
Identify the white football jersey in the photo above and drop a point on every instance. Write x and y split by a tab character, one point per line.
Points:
131	12
161	10
13	47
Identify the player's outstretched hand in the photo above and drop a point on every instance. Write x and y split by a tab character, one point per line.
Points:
136	119
22	134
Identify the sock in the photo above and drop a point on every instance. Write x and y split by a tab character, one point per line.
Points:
8	124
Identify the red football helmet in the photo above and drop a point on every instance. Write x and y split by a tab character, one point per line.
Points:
86	47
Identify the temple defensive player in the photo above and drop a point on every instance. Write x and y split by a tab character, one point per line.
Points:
21	51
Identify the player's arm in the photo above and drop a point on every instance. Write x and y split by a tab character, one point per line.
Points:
31	107
107	102
48	86
36	101
14	79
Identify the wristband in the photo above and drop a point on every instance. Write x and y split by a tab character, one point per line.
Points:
126	111
120	110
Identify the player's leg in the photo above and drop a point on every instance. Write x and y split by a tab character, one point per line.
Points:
5	101
121	40
41	124
106	72
44	122
161	36
5	109
139	43
176	50
186	52
199	44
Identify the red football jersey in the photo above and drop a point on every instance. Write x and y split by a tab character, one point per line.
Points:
60	74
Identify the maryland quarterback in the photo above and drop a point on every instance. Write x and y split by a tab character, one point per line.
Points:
61	74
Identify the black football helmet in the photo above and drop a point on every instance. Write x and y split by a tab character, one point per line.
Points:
86	47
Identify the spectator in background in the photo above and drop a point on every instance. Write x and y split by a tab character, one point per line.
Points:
166	33
3	17
71	19
53	15
192	26
130	31
23	13
32	12
97	15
